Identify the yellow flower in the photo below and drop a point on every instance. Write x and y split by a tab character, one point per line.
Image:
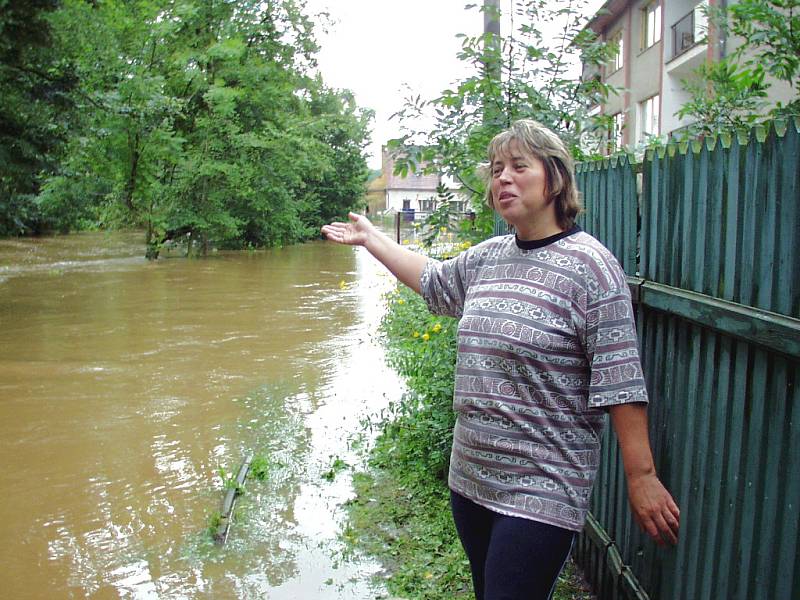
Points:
466	245
442	229
401	301
415	334
437	328
405	242
426	336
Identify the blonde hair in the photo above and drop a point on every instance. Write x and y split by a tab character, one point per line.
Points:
538	141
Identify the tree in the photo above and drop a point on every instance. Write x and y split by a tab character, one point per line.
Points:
201	119
771	30
35	85
538	79
732	93
724	97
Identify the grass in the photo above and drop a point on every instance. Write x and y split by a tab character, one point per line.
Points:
336	466
410	531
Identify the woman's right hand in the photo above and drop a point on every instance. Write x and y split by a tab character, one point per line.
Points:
404	264
354	233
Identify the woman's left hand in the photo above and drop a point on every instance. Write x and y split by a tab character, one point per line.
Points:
653	508
652	505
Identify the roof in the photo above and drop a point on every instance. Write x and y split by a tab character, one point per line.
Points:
412	181
606	14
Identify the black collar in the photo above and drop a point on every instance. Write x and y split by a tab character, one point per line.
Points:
534	244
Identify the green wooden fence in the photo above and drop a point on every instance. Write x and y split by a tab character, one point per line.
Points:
712	249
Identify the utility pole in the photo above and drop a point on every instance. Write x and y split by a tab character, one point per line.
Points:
492	58
491	12
492	61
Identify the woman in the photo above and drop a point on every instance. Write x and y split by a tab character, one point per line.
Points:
546	347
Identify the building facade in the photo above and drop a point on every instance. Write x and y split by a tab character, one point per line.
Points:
414	193
659	44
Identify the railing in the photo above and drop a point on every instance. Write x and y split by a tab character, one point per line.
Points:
689	31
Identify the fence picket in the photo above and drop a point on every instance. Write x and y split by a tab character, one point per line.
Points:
721	221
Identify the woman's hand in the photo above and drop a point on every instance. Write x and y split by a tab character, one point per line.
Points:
653	508
354	233
404	264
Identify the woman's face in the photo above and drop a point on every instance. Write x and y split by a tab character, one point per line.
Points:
519	194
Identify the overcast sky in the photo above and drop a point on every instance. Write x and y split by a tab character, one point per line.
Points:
376	47
379	49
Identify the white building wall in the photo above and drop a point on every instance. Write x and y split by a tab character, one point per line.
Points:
680	67
396	198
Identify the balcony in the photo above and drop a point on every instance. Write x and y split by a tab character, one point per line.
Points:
689	31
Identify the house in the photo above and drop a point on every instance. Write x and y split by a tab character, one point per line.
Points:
659	43
376	194
414	194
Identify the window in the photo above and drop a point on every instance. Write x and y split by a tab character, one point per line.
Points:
617	123
617	51
651	24
650	117
428	204
406	203
457	206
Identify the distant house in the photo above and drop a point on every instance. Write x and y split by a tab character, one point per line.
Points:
376	194
659	43
415	193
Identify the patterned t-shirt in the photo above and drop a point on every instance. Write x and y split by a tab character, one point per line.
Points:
546	341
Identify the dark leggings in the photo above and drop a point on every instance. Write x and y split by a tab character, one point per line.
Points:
511	558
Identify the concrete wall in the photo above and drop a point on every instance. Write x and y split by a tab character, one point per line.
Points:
645	70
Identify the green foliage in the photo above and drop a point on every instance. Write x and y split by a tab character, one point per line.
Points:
441	220
733	93
771	28
724	97
422	348
401	512
260	468
36	84
214	521
195	117
528	73
229	481
336	466
410	528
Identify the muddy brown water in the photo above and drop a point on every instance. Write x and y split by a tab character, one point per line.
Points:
126	386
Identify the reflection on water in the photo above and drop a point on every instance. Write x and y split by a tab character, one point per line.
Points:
125	386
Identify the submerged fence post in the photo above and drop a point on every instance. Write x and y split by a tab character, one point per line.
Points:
229	503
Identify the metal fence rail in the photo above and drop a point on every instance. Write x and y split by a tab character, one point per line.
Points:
718	290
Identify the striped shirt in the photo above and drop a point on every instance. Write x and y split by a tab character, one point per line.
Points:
546	341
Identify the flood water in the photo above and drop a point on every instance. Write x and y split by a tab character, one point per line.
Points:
126	386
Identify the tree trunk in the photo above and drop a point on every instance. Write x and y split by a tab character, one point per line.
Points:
130	185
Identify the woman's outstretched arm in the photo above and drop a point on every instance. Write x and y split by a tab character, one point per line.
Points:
404	264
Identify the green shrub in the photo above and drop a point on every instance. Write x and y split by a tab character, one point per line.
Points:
418	430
